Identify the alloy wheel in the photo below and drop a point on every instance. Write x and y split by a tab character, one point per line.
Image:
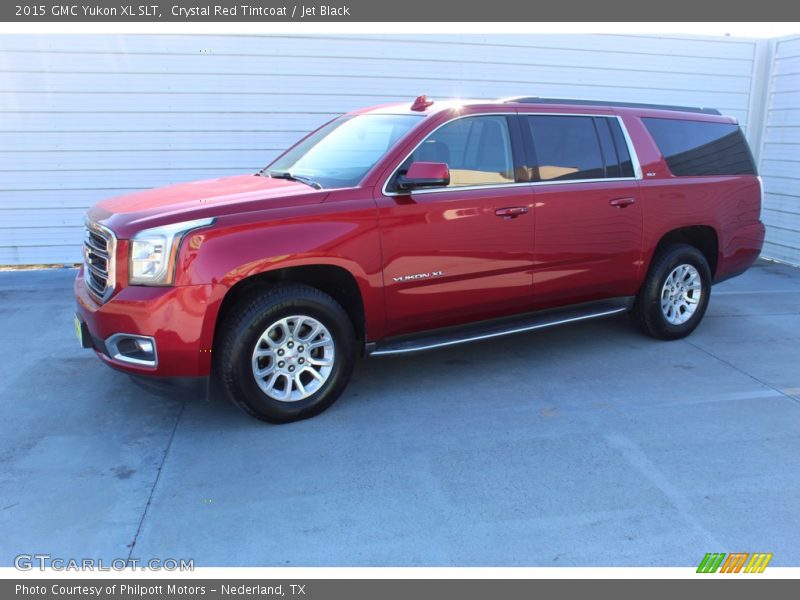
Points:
293	358
681	294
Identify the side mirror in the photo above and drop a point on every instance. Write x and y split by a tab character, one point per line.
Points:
424	175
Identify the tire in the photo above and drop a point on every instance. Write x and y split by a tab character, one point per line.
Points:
267	334
672	310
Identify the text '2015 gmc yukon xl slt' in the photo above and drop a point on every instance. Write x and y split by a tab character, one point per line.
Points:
416	226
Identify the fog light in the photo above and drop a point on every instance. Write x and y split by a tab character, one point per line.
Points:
132	349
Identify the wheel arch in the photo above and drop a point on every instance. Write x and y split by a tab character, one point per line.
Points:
336	281
703	237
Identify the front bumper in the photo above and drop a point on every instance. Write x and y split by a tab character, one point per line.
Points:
174	317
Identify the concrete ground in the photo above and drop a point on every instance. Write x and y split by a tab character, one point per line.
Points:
582	445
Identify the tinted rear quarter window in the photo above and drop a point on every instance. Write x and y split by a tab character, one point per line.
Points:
701	147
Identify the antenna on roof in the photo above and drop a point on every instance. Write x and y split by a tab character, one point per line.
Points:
421	103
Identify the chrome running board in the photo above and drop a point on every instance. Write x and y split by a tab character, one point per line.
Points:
484	330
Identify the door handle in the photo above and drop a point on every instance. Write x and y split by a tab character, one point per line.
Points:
511	212
622	202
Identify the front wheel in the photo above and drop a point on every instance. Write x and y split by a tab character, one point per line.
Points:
286	354
675	294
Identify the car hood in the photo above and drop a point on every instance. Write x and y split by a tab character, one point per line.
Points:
200	199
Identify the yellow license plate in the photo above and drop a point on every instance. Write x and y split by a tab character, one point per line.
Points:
78	329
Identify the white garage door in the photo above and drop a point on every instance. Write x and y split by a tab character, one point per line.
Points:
780	158
85	117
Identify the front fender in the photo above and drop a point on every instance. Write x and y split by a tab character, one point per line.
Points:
343	234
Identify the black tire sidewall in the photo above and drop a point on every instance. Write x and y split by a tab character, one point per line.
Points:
666	263
249	330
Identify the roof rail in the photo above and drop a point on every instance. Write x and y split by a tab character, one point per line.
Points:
537	100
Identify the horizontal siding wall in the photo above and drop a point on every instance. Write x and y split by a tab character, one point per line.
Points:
86	117
780	156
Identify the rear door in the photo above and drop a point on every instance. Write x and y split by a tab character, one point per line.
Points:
588	232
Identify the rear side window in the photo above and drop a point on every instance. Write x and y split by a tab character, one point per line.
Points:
579	147
701	147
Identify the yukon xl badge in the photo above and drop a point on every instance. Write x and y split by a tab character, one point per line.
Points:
416	276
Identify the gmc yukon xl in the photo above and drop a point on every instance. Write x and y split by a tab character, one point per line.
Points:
417	226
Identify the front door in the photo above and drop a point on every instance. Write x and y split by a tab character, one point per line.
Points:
463	252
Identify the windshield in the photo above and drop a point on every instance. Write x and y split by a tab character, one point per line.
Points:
343	151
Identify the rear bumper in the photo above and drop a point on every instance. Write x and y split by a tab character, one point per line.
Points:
739	250
172	316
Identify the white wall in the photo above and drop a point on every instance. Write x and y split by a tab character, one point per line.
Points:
780	155
85	117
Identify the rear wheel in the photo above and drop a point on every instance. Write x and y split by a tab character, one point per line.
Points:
675	294
286	354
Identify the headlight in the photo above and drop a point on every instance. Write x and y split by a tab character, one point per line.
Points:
153	252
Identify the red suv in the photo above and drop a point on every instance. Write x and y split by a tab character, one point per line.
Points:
416	226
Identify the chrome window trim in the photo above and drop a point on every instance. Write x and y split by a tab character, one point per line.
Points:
637	168
114	353
440	190
111	264
594	180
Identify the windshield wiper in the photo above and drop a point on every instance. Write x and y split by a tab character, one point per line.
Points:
291	177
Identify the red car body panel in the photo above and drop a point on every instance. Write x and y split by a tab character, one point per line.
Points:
175	316
485	260
731	205
128	214
420	261
586	248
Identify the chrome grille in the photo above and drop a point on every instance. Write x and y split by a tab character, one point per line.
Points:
99	245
